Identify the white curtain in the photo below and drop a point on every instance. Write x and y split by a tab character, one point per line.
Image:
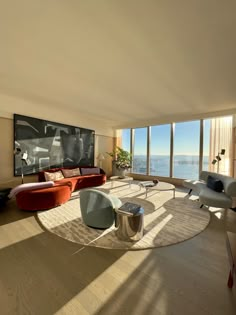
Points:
221	136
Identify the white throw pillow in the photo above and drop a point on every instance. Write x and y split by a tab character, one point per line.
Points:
53	176
71	173
29	186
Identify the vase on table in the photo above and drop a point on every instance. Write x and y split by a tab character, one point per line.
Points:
121	172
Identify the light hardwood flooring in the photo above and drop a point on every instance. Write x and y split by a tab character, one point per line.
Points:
42	274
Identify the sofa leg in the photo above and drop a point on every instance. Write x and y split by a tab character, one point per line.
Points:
190	190
201	205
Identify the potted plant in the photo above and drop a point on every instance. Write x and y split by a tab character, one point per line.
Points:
122	160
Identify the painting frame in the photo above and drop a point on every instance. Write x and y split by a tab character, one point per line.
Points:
49	144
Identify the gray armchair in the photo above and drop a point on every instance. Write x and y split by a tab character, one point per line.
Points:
209	196
98	208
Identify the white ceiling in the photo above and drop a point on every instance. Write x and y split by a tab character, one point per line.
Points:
129	63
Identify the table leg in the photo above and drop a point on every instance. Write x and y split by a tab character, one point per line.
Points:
174	193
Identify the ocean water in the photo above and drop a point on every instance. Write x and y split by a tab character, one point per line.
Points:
184	166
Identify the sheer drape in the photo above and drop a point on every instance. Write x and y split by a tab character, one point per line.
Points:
221	133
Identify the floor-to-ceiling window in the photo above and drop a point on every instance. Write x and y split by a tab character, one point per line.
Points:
206	144
125	139
160	150
193	142
186	149
140	151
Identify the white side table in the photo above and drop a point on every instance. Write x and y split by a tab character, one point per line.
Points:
120	179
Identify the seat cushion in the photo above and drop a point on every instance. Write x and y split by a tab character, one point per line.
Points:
212	198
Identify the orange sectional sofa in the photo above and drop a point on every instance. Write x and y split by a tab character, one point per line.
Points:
49	197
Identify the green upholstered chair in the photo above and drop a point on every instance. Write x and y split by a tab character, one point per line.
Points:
98	208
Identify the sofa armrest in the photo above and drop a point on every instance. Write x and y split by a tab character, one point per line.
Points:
229	186
29	186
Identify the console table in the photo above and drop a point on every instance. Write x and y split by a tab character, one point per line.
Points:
231	248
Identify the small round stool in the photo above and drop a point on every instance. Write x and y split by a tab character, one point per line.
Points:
44	198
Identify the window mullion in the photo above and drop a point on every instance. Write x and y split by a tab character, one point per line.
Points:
172	130
148	149
201	146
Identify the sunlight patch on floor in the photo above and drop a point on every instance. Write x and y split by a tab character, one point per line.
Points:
218	215
158	227
122	276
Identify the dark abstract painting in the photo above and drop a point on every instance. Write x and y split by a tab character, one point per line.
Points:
49	144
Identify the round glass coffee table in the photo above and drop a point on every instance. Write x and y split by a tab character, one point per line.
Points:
122	179
161	186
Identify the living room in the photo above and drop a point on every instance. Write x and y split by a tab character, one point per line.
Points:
115	67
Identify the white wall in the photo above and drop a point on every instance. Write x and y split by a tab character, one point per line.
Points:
10	105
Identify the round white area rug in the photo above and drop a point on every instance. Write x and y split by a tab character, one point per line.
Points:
166	221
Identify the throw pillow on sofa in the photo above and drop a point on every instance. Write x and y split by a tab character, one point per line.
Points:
71	173
53	176
90	170
214	184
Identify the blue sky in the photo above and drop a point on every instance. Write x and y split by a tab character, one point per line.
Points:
186	139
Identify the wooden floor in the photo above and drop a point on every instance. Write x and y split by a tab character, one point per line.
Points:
41	273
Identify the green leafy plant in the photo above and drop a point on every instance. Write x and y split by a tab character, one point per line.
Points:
121	158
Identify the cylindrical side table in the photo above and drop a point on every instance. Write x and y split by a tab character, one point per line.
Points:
130	227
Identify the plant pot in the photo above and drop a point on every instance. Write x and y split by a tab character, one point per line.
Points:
121	172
